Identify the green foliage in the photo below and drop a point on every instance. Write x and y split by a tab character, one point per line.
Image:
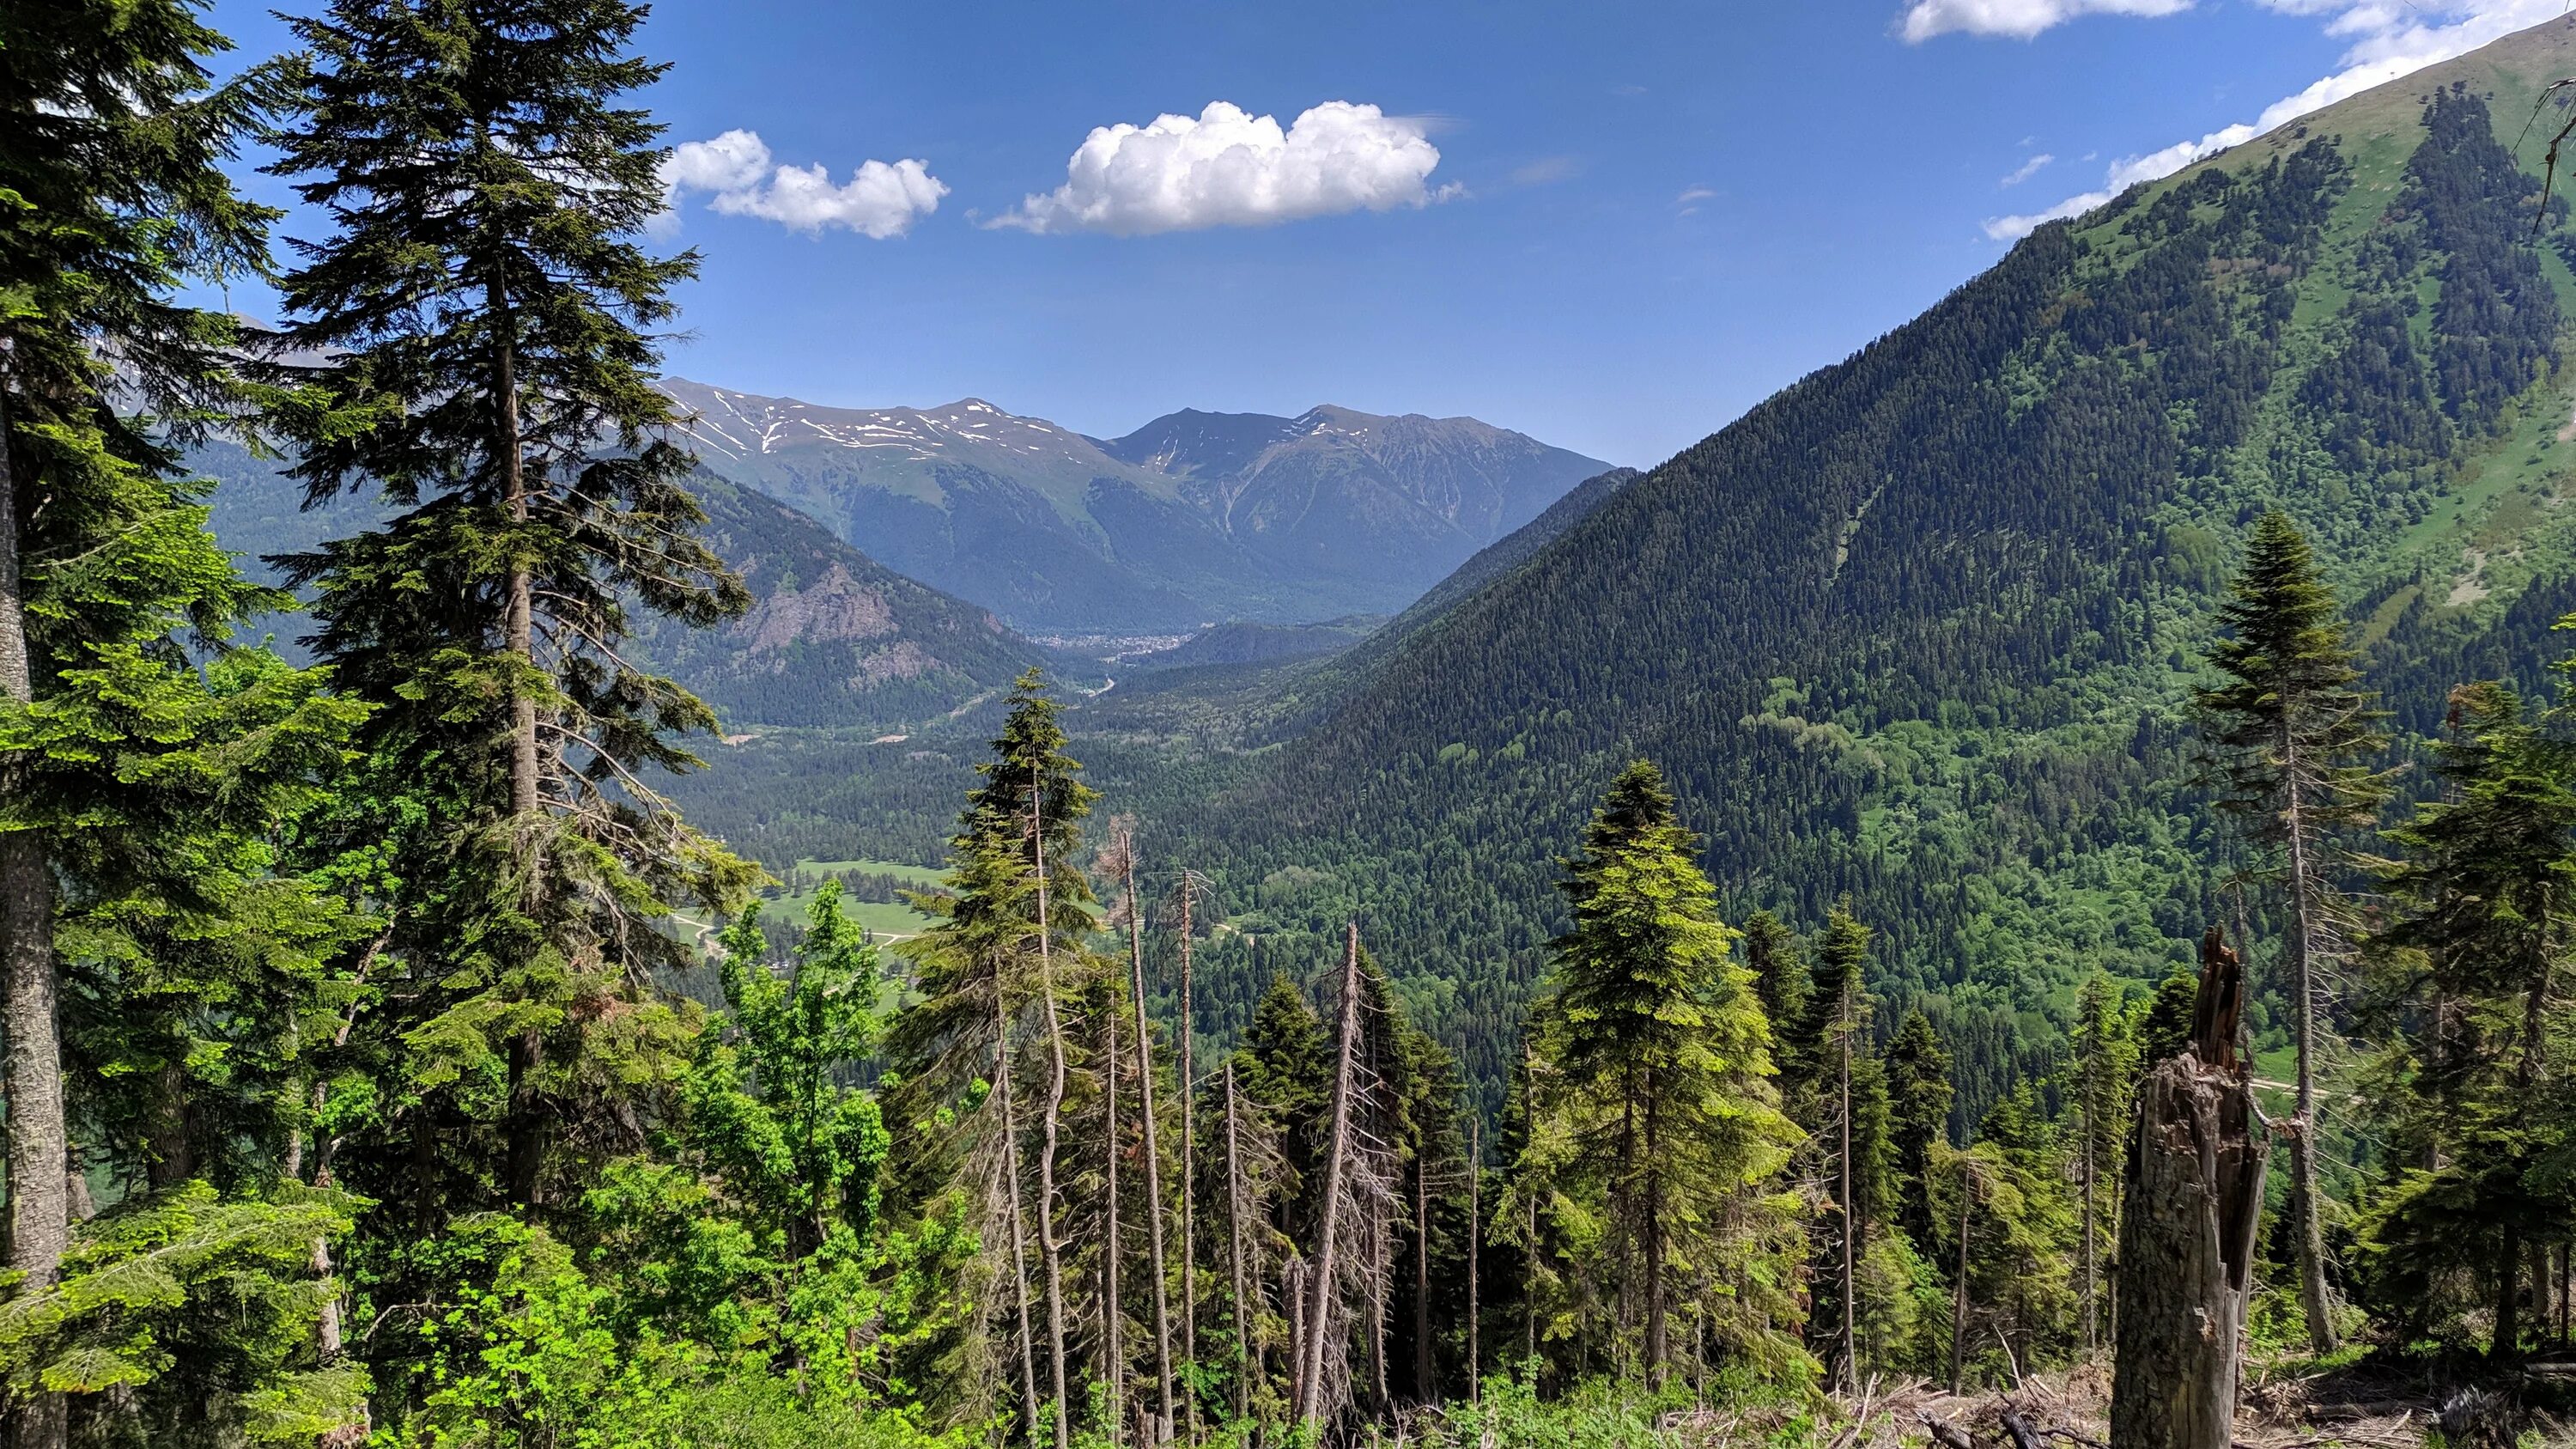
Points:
199	1310
768	1109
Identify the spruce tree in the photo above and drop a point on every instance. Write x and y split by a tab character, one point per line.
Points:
2290	734
2104	1087
1659	1063
481	310
2479	1029
1917	1068
1005	952
1779	968
145	761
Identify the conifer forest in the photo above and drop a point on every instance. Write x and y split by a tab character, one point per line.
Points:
2015	895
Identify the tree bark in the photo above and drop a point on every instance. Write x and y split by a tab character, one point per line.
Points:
2092	1323
1050	1250
1011	1172
1423	1389
2188	1228
1656	1345
1234	1234
1319	1316
1110	1316
1849	1369
39	1192
1959	1284
1475	1249
2316	1300
527	1049
2508	1299
1153	1157
1189	1160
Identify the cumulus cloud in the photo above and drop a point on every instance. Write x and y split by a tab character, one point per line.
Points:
2392	38
1228	167
2028	169
2020	19
880	199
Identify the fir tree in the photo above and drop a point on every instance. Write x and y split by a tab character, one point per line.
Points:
1005	951
2490	876
482	307
146	763
1917	1067
1659	1089
2290	733
2105	1084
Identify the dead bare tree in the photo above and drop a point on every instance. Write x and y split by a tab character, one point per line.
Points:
1189	1154
1118	857
2188	1227
1008	1179
1337	1168
1243	1351
1153	1157
1050	1248
1475	1250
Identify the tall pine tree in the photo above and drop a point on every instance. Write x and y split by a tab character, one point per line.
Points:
1658	1093
481	307
2291	735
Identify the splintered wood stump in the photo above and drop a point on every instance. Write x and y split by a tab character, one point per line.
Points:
2187	1233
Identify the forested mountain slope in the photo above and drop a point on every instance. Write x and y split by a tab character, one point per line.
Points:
834	638
1194	518
1921	629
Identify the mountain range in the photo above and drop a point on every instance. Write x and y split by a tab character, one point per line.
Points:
1193	519
833	638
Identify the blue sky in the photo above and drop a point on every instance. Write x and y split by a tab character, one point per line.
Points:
1614	224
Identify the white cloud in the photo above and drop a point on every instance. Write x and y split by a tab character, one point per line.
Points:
1691	197
2028	169
880	200
2020	19
1228	167
733	161
2393	38
1546	170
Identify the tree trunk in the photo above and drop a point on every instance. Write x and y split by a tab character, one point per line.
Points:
39	1194
2092	1324
2188	1228
1153	1158
1422	1385
527	1049
1310	1402
1011	1172
2315	1299
1049	1249
1475	1249
1292	1295
2508	1299
1959	1284
1110	1245
1189	1162
174	1154
1849	1369
1234	1234
1654	1233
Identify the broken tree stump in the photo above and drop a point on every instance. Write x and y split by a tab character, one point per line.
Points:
2187	1231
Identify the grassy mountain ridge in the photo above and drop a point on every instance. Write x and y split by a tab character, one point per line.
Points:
1921	628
